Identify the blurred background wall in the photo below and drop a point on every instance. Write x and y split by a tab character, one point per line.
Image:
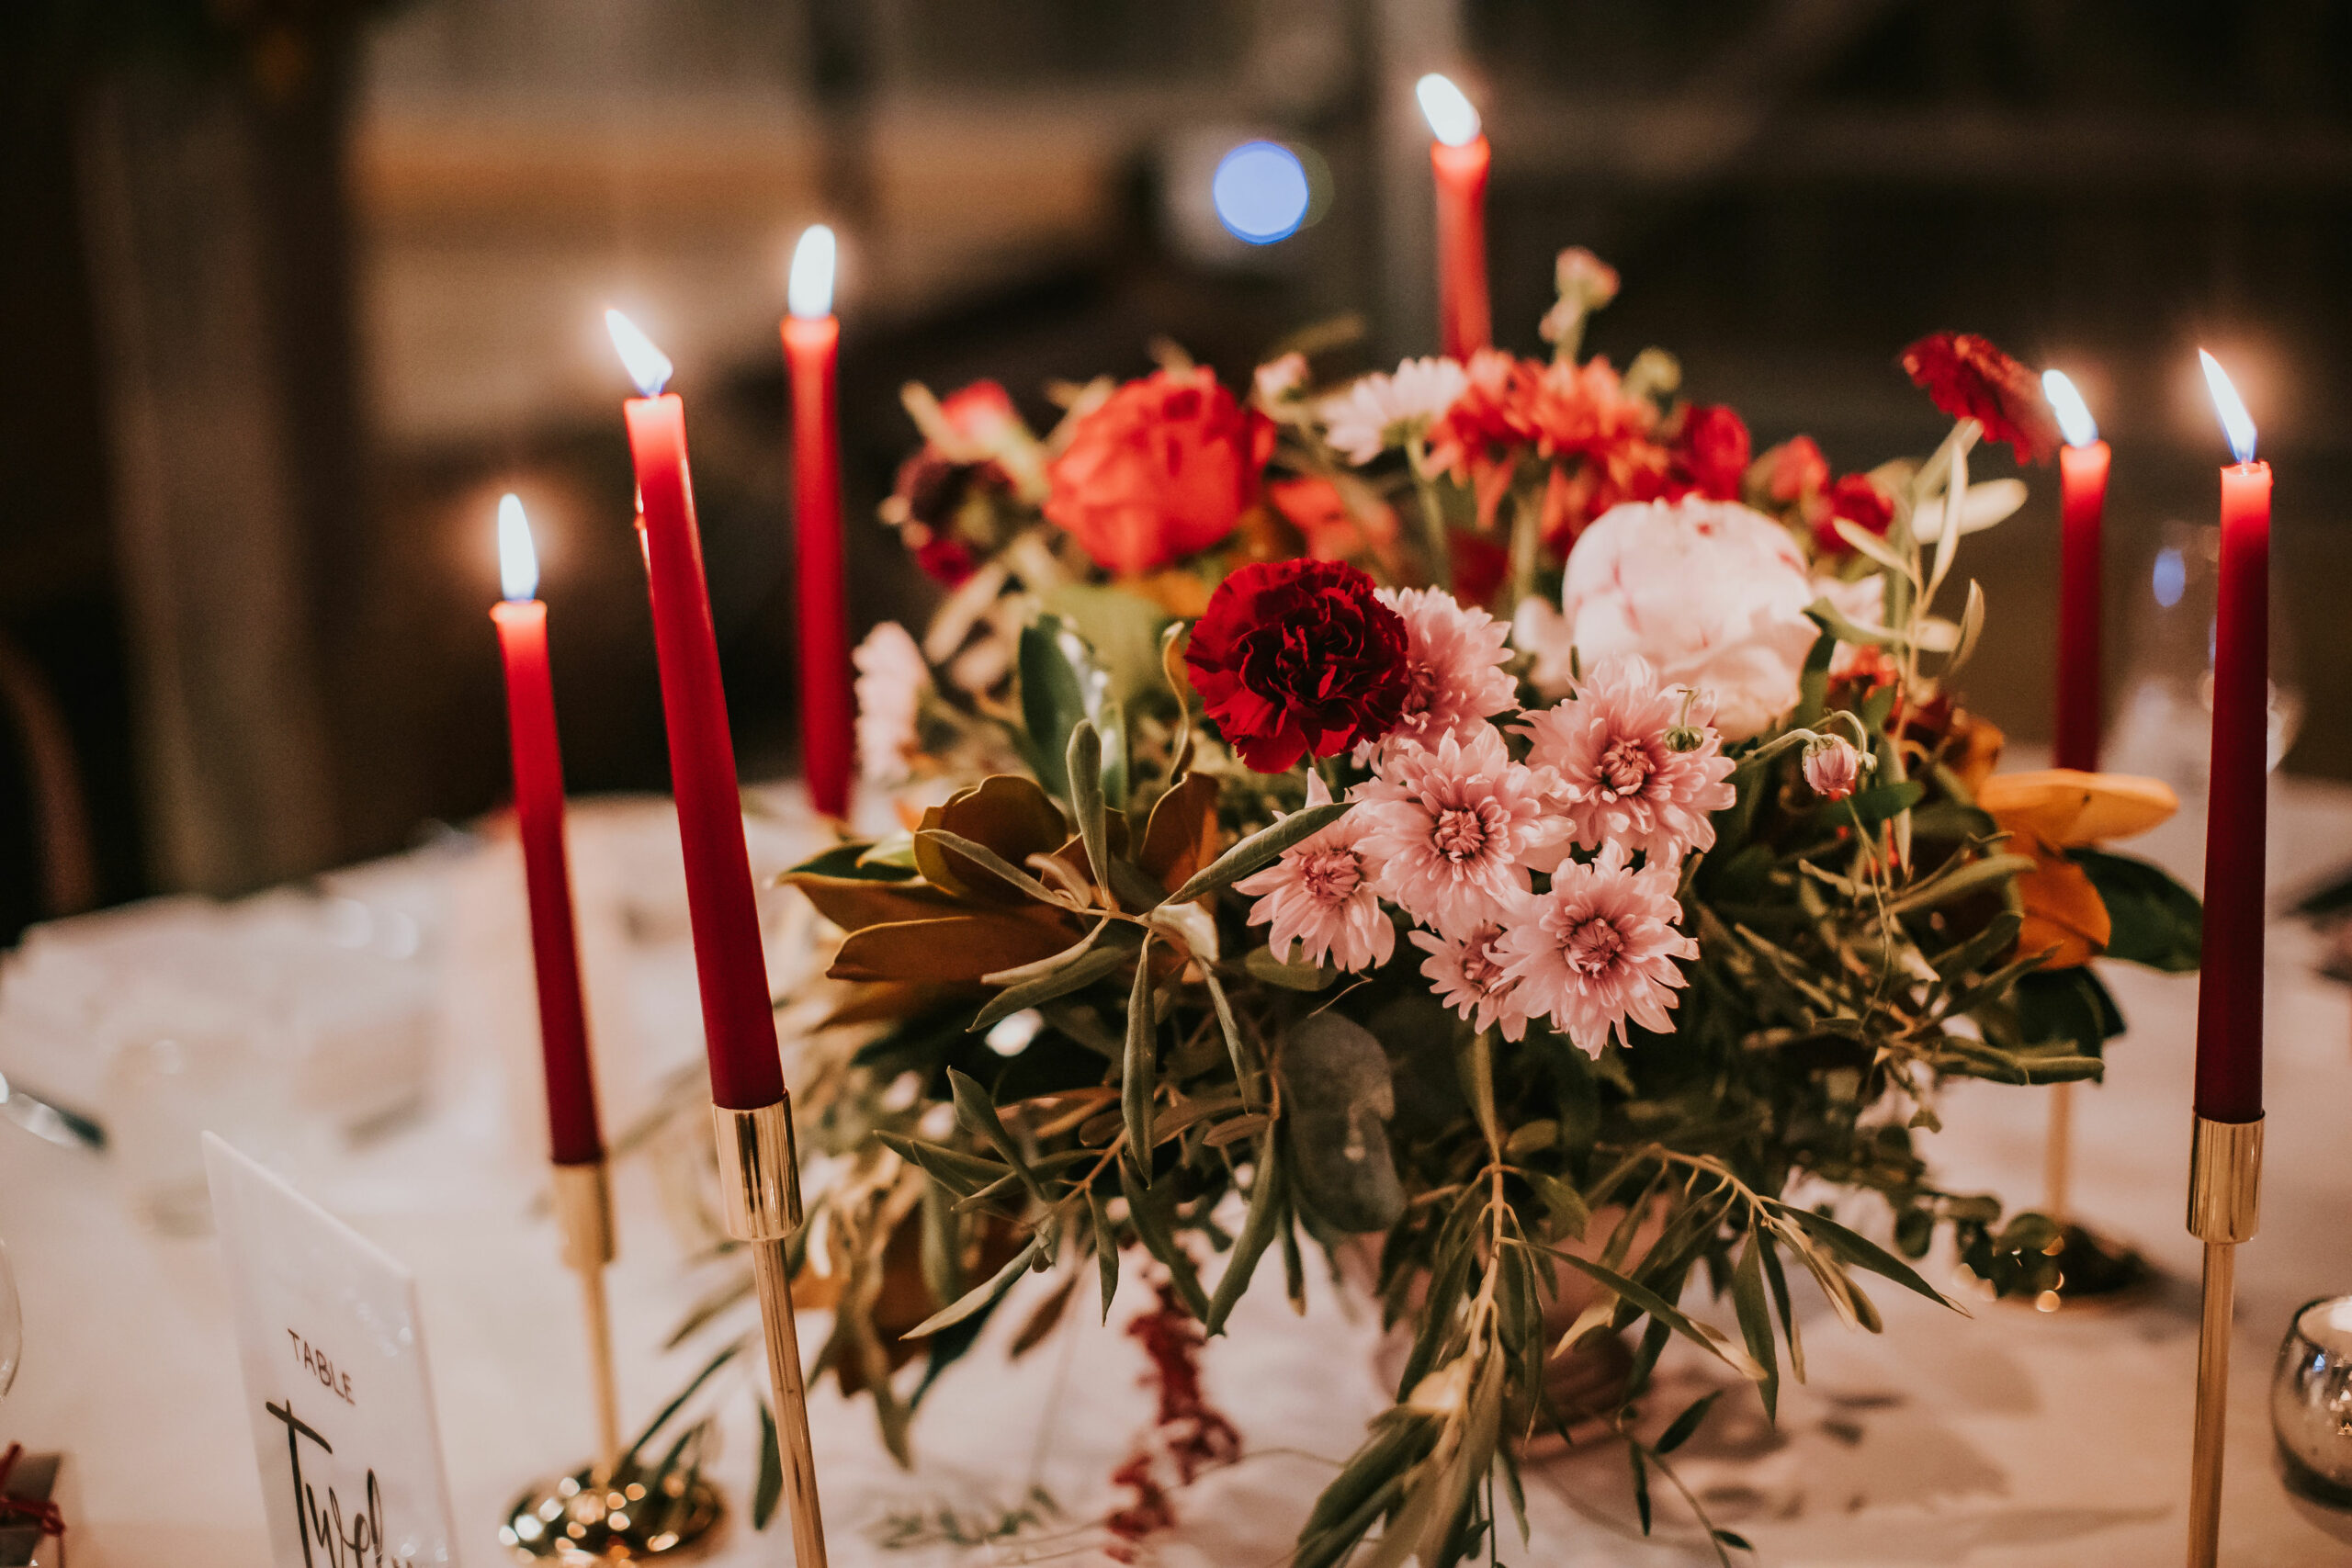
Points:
294	288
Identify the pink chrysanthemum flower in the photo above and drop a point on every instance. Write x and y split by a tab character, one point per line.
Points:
1452	828
1599	949
1320	894
1455	656
1622	781
1467	974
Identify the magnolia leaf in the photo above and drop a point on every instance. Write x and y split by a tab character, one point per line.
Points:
982	856
1258	850
2152	921
1180	833
959	947
1010	815
854	903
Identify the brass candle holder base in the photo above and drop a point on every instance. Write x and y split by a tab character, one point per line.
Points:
582	1519
2224	1209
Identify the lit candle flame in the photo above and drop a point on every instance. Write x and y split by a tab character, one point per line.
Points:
2236	424
1454	120
646	365
2075	421
810	293
518	563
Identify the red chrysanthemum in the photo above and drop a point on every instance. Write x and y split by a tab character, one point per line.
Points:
1161	470
1299	658
1971	378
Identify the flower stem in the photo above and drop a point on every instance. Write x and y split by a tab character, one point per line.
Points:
1441	561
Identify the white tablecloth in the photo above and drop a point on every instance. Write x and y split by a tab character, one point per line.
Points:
2003	1439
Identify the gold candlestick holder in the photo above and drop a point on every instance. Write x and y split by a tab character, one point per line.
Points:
605	1511
759	1185
2224	1209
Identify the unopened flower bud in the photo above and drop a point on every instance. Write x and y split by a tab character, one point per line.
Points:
1833	767
1682	738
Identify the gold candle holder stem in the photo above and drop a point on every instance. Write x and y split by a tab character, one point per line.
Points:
759	1185
583	1204
2058	1154
2224	1210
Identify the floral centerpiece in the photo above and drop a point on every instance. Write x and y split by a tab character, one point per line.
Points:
1483	820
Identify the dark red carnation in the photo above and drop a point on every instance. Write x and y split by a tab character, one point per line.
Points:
1709	455
1970	378
1859	501
1298	658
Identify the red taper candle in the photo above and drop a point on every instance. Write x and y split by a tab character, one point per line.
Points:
1460	159
2082	506
574	1137
738	1023
2229	985
812	338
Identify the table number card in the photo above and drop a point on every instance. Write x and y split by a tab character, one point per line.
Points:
335	1382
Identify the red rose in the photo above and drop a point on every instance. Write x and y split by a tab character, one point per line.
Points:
981	413
1970	378
1859	501
1299	657
1710	453
1161	470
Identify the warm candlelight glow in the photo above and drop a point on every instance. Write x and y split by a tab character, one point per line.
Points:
646	365
2074	419
1454	120
518	563
810	293
2235	422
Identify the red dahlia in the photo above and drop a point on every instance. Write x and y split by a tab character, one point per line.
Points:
1298	658
1970	378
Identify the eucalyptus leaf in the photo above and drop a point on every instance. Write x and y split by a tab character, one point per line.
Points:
1257	1230
1338	1096
1083	764
976	1111
985	1295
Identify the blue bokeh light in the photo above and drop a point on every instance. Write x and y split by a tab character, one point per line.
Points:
2171	577
1260	192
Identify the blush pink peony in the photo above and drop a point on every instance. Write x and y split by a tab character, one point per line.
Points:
1711	593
